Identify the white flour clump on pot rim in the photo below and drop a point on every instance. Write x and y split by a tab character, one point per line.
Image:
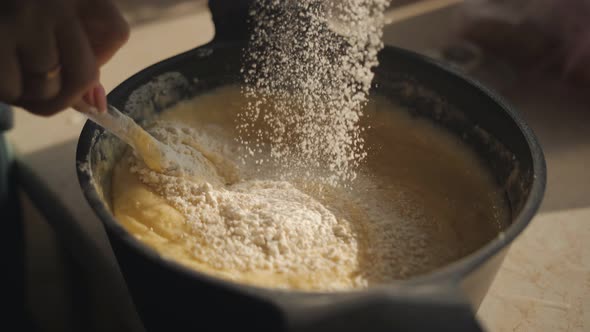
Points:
307	72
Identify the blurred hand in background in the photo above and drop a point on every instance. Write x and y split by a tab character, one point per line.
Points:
536	35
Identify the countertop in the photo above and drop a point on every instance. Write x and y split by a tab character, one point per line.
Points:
544	283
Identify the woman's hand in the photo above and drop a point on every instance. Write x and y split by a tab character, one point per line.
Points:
553	36
53	49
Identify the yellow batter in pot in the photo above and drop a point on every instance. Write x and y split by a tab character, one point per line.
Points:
421	201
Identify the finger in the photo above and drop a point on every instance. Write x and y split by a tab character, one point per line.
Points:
106	28
10	83
100	98
39	61
79	68
96	97
89	97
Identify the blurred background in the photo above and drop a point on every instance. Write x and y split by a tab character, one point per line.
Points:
535	53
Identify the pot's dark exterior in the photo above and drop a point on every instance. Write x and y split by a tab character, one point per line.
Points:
170	297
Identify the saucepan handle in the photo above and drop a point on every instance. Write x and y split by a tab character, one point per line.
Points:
425	309
231	19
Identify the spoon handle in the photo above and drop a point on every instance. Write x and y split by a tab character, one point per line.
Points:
153	152
112	120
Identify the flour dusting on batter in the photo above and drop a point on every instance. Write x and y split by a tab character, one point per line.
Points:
248	225
423	201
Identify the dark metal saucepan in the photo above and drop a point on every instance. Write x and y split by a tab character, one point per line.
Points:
170	297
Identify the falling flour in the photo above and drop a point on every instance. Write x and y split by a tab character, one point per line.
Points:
300	213
308	72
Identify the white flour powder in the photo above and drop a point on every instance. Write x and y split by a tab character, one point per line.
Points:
249	225
308	71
